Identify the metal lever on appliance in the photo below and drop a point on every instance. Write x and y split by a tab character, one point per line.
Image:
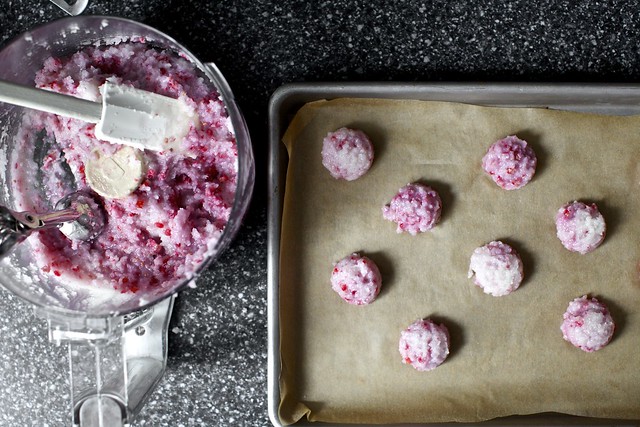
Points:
75	8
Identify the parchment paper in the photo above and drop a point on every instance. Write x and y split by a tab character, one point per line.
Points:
340	363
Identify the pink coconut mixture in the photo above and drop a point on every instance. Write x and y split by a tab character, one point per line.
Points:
165	229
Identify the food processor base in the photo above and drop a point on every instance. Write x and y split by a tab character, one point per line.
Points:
115	363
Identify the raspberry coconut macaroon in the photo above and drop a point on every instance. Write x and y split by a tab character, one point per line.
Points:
587	324
356	279
510	162
416	208
580	227
347	153
497	267
424	345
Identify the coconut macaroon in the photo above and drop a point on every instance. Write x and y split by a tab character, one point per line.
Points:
580	227
497	267
424	344
347	153
416	208
587	324
510	162
356	279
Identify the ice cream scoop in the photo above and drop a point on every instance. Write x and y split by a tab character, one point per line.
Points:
78	216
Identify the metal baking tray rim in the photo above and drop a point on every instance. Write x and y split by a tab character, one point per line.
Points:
618	99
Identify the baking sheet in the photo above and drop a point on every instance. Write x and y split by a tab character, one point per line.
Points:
497	367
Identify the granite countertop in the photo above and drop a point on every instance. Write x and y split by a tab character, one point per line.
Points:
216	373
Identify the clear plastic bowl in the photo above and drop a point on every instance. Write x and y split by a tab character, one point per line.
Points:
21	59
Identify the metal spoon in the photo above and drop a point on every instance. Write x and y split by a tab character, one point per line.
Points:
78	216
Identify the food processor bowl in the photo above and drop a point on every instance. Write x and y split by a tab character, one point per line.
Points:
20	60
117	340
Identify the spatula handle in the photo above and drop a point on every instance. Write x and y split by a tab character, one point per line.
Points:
51	102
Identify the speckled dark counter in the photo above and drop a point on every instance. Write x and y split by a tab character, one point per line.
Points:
216	372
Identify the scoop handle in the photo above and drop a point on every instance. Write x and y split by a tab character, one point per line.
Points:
12	231
72	8
50	102
16	226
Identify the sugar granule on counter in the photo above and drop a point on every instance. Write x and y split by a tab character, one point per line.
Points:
424	344
356	279
416	208
580	227
587	324
347	153
497	268
510	162
169	224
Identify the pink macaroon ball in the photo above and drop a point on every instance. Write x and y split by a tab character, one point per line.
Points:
587	324
347	153
510	162
424	344
415	208
580	227
497	268
356	278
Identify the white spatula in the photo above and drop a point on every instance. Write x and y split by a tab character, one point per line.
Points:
129	116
